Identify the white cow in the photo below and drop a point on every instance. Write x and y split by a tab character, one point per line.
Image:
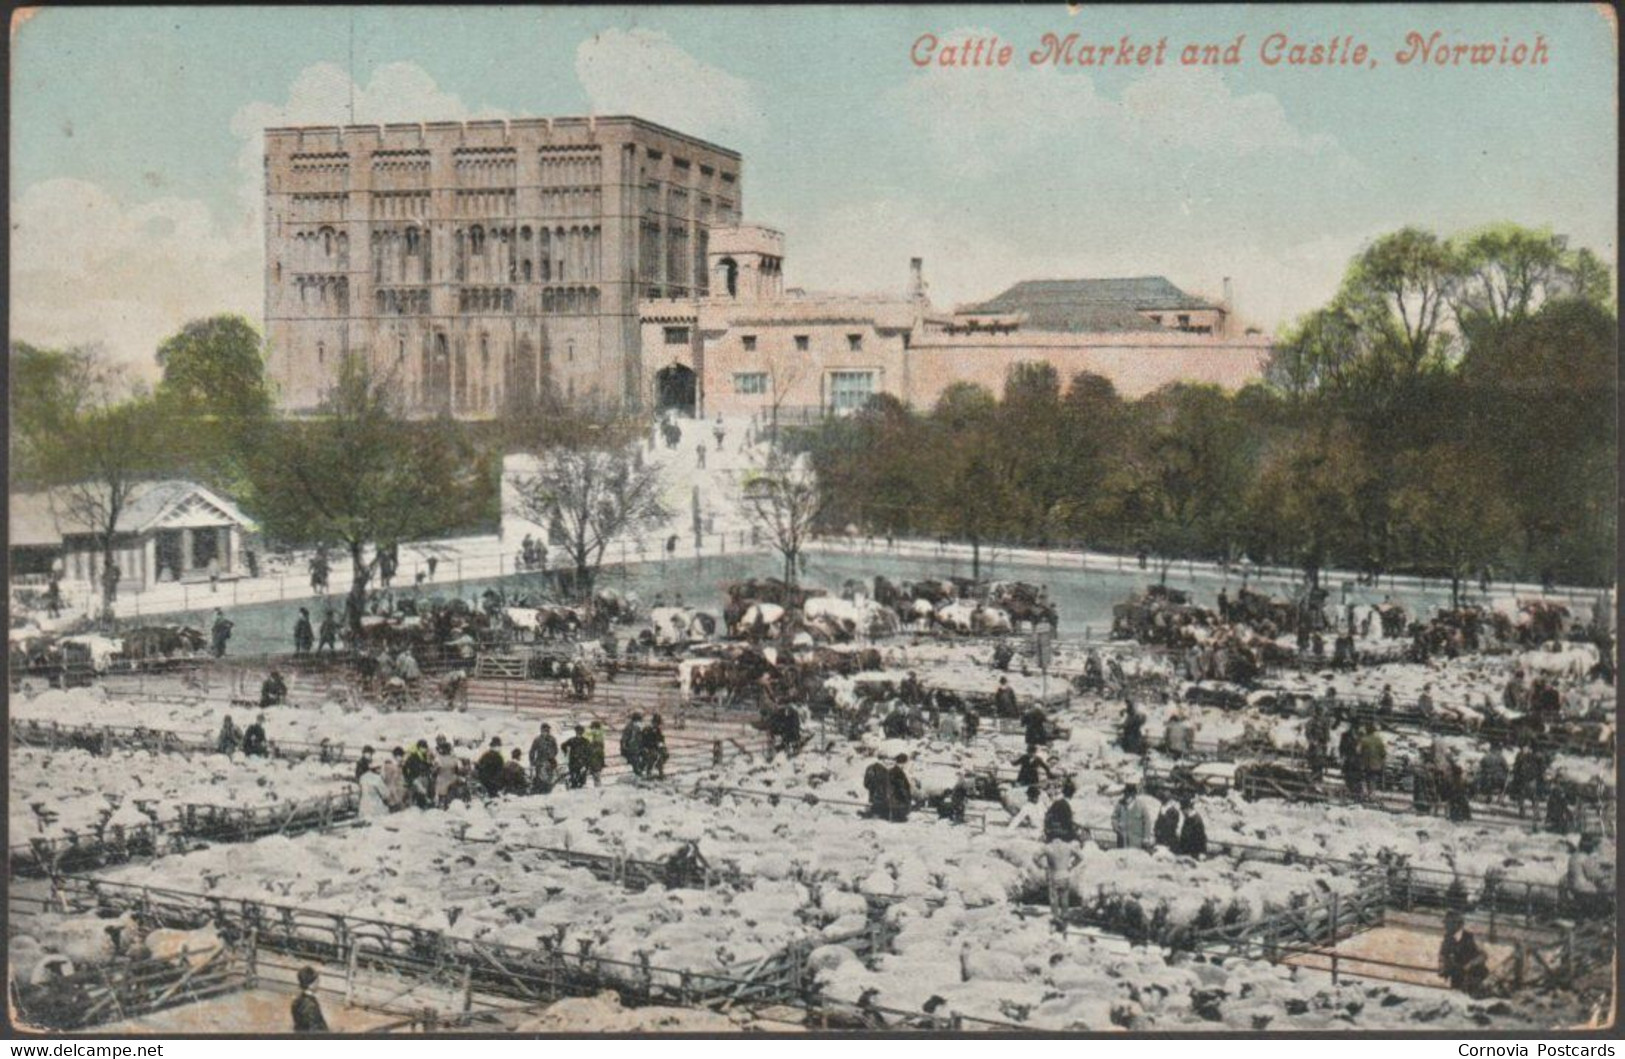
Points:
958	616
992	621
765	616
1569	660
197	945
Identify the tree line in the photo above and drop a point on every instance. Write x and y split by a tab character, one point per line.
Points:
1450	412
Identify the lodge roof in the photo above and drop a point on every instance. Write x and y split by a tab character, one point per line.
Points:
43	519
1090	304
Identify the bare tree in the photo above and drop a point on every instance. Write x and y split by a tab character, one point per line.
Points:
591	497
782	500
101	444
784	370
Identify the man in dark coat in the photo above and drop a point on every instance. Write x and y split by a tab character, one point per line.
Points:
1028	766
1348	752
578	753
1036	727
274	691
488	769
1462	963
785	728
364	764
417	770
1059	823
544	759
303	635
1166	829
220	633
1193	835
900	790
307	1010
875	783
514	780
254	744
1133	737
329	632
632	743
653	750
1004	699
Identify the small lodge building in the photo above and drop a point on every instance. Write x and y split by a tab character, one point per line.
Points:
168	531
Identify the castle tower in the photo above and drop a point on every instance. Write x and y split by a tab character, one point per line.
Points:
746	263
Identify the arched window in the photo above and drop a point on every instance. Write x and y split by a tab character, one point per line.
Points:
321	353
476	240
730	276
547	300
327	242
507	301
524	270
570	351
400	351
412	241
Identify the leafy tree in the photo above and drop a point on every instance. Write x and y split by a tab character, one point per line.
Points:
1451	506
1032	409
1539	395
48	388
360	475
1090	444
1323	351
971	482
1306	500
1400	287
212	368
1188	470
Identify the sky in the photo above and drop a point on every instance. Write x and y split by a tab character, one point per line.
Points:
136	139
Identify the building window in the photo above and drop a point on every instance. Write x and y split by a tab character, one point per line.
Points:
749	342
802	344
321	352
854	343
676	336
750	382
850	390
1184	321
1156	318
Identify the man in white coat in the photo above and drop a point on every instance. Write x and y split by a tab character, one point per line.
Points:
374	802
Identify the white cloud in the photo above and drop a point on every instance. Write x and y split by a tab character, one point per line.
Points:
979	118
320	95
88	268
865	246
1192	108
645	73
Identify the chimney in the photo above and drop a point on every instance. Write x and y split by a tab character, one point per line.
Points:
916	279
